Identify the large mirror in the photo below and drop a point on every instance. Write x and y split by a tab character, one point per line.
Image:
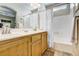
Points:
7	16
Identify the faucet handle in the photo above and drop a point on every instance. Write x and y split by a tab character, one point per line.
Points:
2	31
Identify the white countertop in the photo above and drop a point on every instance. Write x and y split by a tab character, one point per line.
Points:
19	34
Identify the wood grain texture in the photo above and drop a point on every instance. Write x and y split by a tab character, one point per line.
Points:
44	42
36	48
31	45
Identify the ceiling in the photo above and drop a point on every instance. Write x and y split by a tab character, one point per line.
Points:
28	6
35	5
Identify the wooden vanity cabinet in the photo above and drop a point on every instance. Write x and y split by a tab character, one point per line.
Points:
44	42
8	48
4	52
36	48
20	47
17	47
31	45
27	46
36	45
24	46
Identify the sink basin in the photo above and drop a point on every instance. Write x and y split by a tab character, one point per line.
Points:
13	31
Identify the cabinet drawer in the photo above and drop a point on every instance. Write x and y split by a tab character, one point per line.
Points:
45	33
36	37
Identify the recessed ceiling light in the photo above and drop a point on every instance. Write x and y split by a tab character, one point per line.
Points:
35	5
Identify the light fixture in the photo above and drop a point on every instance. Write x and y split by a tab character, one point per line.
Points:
35	5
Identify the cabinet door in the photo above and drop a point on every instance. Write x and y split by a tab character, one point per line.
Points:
8	48
27	46
44	42
20	48
4	52
13	51
12	48
36	48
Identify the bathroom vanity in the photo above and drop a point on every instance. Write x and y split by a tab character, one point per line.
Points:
23	44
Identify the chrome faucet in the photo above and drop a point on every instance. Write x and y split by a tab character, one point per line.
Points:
5	30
